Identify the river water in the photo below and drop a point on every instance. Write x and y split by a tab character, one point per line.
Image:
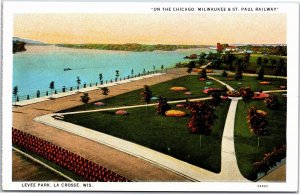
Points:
35	68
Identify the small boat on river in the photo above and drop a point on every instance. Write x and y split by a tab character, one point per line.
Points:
67	69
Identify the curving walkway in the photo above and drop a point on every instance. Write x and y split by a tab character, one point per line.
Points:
229	167
165	168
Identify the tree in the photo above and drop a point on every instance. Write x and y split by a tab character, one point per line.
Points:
189	70
257	122
117	75
78	81
162	67
238	69
163	106
132	72
51	86
272	102
15	93
202	119
100	78
259	61
85	98
146	95
260	72
216	98
202	74
105	91
224	74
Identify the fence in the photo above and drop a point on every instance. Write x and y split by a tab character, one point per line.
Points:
39	93
82	167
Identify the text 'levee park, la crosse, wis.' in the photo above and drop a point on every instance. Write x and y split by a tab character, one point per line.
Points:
149	97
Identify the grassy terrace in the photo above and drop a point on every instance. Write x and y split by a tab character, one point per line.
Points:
168	135
132	98
246	148
253	83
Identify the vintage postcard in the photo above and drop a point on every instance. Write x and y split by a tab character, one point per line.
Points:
143	96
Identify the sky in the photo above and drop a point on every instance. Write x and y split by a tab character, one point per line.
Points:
190	29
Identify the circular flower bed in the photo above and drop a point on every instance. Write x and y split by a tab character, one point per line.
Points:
282	87
175	113
208	83
99	103
202	79
233	93
178	88
121	112
188	93
264	83
262	112
180	105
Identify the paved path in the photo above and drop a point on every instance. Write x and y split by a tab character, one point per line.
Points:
87	89
229	167
122	163
223	83
135	168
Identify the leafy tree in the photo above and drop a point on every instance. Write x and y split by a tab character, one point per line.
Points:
132	72
163	106
146	95
259	61
246	94
257	122
273	62
265	61
78	81
117	75
260	72
85	98
15	93
202	74
189	70
105	91
272	102
101	78
216	98
202	119
51	86
228	58
238	69
162	67
224	74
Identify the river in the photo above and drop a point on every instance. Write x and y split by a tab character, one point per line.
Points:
35	68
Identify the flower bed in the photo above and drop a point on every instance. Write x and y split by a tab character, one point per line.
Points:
99	104
82	167
270	161
260	96
121	112
188	93
233	93
178	88
175	113
181	105
265	83
209	90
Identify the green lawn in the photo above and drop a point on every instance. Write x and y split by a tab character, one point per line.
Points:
132	98
253	83
53	165
246	148
168	135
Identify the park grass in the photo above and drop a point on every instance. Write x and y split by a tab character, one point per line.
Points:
53	165
41	173
191	82
246	148
253	83
167	135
